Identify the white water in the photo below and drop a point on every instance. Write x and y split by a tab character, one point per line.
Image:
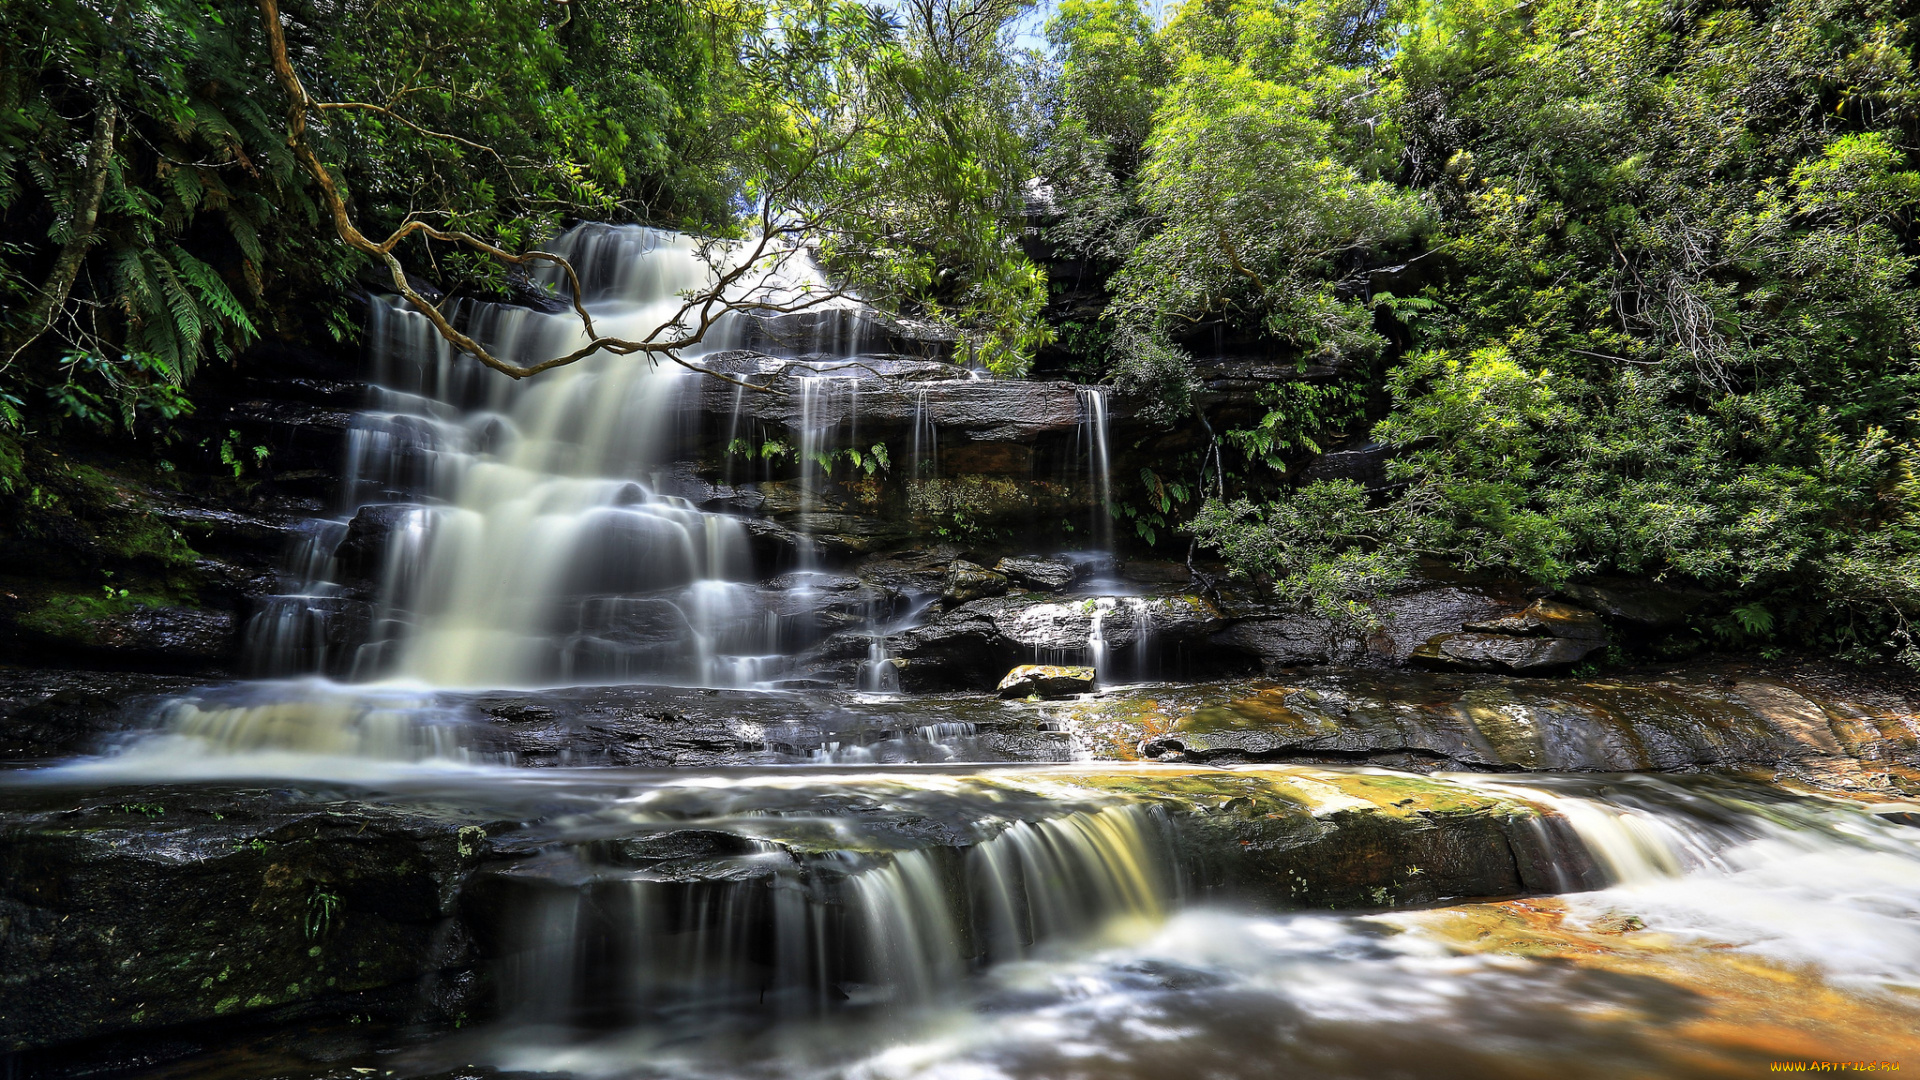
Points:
546	545
1717	881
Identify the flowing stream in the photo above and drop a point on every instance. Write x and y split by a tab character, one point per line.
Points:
888	897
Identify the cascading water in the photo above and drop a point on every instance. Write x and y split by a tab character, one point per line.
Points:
545	545
796	932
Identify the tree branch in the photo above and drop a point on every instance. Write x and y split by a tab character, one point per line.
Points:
300	104
53	292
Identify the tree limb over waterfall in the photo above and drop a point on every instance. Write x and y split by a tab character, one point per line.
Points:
706	306
828	96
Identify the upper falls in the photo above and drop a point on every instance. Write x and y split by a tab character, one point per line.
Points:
614	520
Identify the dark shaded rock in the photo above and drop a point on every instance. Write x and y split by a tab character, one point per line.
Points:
139	635
1545	618
1037	573
1003	458
144	909
1406	622
1157	572
967	581
361	556
1637	600
1046	681
1504	652
52	714
1366	466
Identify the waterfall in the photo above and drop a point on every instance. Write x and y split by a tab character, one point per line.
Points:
535	539
923	458
1093	437
802	934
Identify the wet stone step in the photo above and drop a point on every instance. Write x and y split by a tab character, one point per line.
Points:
155	905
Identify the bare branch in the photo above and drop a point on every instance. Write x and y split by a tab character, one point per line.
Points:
712	303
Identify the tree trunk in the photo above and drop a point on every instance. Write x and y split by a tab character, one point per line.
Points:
40	312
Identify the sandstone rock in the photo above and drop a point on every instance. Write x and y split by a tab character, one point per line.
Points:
1422	721
1545	618
1504	652
1046	681
1036	573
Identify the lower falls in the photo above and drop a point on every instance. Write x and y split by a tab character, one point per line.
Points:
631	723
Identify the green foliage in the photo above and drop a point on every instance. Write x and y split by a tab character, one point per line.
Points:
1658	311
1296	412
1323	548
916	165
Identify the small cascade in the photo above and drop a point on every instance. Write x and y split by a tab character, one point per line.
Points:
298	628
829	412
219	731
923	457
1097	651
794	934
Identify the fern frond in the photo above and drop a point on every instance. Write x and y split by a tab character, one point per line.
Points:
212	291
187	324
138	296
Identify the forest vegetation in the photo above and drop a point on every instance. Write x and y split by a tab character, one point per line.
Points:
1625	288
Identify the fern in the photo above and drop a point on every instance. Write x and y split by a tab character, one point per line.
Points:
213	292
187	327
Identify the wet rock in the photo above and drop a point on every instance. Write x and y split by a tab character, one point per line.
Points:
1406	621
836	331
132	635
142	909
1504	652
967	582
1046	681
300	635
46	715
1489	722
1302	837
362	553
1545	618
1042	574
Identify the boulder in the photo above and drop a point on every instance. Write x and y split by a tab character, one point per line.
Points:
361	556
967	582
1046	681
963	646
1044	574
1406	621
1469	651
